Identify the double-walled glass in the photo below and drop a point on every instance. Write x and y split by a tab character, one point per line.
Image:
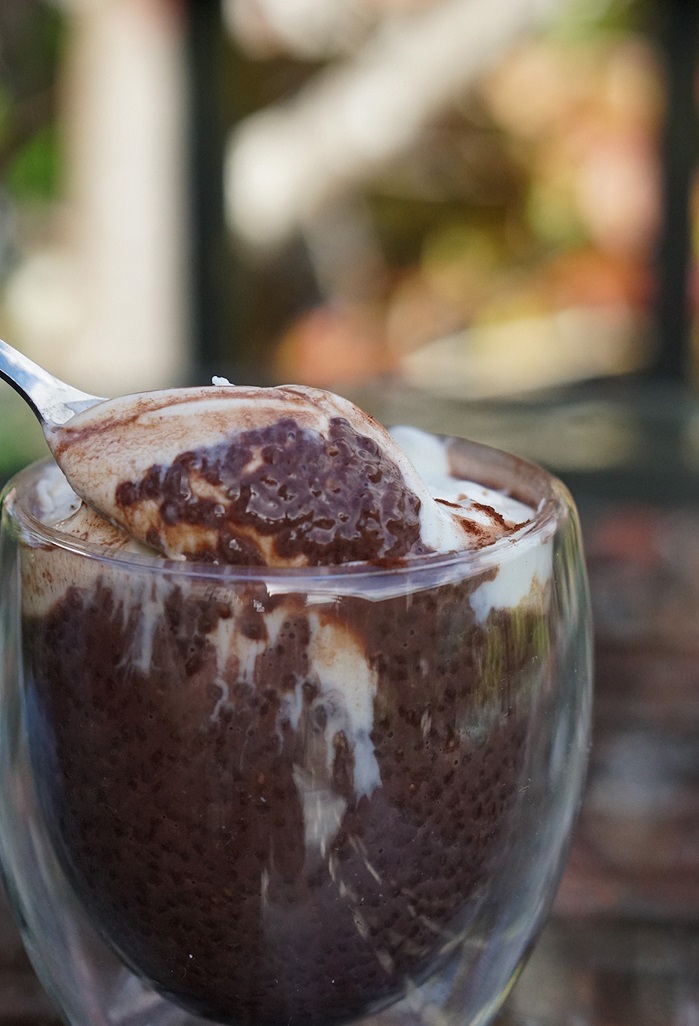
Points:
280	797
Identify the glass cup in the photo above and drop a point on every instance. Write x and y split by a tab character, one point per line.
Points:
265	797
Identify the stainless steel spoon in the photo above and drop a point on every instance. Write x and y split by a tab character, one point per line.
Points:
52	400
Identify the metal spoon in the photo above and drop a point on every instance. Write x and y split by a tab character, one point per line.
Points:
52	400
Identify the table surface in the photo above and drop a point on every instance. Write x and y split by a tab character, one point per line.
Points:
622	945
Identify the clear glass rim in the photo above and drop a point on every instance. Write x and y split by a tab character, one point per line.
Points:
494	468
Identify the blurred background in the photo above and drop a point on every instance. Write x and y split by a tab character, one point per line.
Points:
462	197
479	216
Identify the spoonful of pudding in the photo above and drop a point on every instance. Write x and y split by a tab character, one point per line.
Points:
284	476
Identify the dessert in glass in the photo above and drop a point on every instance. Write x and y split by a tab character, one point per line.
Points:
294	720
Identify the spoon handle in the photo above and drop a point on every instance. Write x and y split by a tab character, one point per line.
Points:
52	400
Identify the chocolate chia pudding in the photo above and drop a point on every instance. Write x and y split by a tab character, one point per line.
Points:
285	476
282	795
